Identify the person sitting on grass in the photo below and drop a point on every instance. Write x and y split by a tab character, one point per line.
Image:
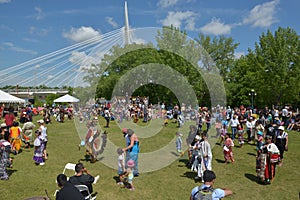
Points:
206	190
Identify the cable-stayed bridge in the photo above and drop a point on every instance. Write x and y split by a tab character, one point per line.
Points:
65	67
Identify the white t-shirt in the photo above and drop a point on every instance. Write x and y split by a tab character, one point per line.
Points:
121	161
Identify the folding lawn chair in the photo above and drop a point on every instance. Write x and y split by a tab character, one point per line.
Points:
85	192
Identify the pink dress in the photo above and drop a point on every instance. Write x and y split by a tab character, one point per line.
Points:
227	150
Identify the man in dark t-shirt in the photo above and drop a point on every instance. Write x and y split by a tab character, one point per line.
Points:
82	177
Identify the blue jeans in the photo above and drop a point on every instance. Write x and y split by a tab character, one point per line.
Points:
135	157
233	130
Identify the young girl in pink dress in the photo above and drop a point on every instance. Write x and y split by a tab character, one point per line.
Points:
227	150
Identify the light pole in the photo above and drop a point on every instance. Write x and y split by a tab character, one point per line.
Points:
252	94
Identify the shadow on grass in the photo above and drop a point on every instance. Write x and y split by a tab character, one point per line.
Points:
251	154
220	161
117	179
253	178
190	175
11	171
175	154
185	161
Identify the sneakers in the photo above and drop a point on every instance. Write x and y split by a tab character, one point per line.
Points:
42	163
120	183
131	189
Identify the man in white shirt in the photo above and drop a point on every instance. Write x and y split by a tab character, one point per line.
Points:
233	123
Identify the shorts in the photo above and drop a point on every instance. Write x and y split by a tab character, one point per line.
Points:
120	172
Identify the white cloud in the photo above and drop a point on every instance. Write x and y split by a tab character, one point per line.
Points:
85	61
81	34
4	1
12	47
190	24
135	39
216	27
262	15
177	18
40	15
166	3
37	31
111	21
237	55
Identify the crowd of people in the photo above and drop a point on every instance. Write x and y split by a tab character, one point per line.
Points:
14	137
266	128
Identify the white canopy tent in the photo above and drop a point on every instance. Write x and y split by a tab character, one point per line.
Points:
8	98
66	99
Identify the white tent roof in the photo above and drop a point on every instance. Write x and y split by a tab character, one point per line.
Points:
66	99
8	98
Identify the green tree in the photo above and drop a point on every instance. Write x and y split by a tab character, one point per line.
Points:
221	50
275	65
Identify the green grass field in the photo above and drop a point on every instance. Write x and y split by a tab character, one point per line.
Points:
173	182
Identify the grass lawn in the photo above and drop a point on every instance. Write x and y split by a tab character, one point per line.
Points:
172	182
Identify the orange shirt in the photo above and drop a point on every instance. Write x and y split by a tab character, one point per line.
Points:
14	132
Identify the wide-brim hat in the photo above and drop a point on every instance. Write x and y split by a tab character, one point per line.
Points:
130	163
3	125
281	128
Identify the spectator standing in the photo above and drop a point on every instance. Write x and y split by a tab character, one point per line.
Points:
133	149
9	119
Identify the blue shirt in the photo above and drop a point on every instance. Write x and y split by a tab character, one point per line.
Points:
216	195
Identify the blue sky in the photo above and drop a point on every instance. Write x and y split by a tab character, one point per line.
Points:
32	28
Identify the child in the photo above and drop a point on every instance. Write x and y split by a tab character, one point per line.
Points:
128	175
240	131
179	143
223	133
228	145
121	164
218	126
38	149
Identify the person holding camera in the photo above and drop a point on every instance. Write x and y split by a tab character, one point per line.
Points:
82	177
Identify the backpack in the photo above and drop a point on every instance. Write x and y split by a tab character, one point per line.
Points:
205	193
